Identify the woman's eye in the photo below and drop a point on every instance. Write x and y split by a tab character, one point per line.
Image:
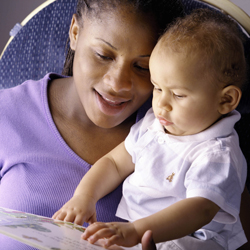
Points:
141	68
103	57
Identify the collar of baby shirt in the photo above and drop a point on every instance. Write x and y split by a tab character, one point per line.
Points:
222	128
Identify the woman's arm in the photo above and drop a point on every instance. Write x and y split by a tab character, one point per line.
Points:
103	177
245	217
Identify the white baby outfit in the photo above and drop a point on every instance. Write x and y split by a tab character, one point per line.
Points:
171	168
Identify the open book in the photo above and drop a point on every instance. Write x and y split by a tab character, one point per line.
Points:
46	233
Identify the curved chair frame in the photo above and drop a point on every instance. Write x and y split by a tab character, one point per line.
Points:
233	10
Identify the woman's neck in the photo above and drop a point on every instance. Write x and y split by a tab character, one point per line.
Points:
87	140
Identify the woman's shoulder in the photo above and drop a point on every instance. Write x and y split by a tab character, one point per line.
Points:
28	98
28	90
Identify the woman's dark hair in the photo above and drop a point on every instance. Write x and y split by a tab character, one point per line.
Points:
162	11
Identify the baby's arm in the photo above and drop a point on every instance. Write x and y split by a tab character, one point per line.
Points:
176	221
103	177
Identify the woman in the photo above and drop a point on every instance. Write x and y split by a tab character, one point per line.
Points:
73	121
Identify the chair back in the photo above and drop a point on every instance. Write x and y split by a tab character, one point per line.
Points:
39	46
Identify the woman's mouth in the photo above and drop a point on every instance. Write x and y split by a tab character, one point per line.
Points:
112	102
110	105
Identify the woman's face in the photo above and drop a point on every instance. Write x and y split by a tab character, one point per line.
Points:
111	65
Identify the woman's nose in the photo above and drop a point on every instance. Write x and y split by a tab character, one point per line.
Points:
119	78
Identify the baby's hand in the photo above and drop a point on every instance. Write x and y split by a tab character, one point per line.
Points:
78	209
119	233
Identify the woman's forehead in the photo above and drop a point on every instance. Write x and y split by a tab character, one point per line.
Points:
123	19
120	29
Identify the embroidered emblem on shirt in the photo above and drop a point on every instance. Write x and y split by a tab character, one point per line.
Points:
170	177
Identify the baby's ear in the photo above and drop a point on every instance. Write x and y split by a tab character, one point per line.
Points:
230	98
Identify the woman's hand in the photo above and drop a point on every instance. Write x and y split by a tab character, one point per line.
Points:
147	241
119	233
78	209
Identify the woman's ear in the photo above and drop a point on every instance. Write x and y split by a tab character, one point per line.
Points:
73	32
230	98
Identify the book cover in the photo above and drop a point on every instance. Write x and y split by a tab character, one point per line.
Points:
46	233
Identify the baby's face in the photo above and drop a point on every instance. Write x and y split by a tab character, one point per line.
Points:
184	100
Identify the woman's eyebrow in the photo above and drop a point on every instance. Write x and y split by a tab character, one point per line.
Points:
109	44
113	47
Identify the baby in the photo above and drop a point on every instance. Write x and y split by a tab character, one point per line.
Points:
183	168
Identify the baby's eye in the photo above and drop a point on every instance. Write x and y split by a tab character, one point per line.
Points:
179	96
157	89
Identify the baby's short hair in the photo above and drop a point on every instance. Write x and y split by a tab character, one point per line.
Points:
215	38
